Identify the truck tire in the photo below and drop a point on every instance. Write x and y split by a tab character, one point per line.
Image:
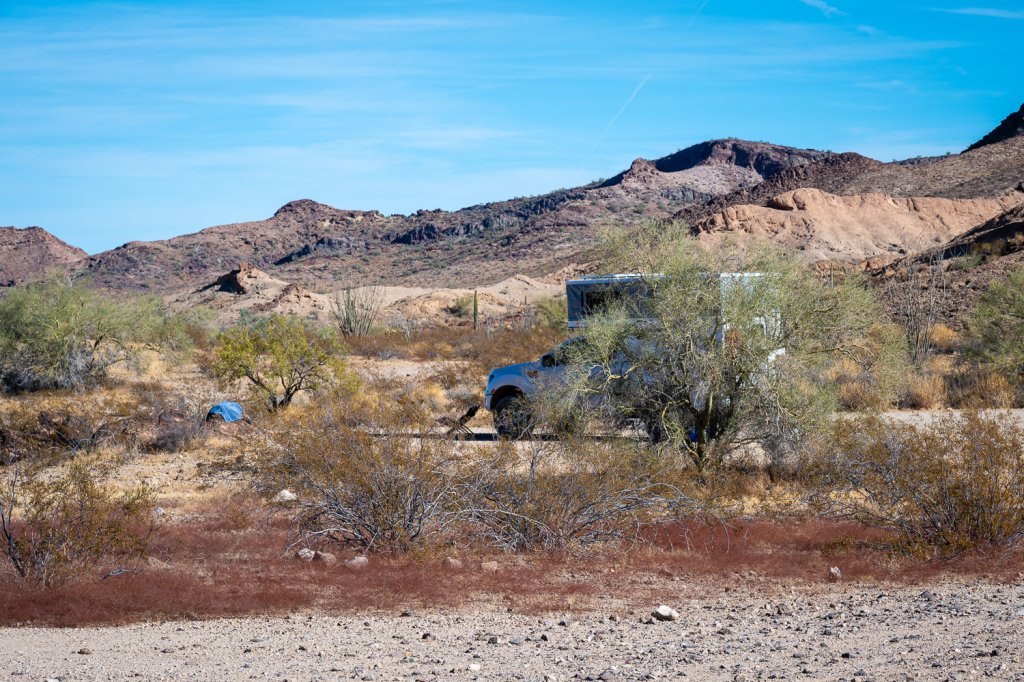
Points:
512	418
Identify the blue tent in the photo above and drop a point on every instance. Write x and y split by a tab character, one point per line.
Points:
229	412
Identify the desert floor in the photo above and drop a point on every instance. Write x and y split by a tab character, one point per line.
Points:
948	630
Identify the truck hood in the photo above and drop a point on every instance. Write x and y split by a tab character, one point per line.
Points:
519	368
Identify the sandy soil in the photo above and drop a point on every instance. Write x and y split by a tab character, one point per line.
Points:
823	632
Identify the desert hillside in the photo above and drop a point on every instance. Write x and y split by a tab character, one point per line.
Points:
27	253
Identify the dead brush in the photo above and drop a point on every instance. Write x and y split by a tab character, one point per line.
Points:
60	528
379	489
566	494
953	486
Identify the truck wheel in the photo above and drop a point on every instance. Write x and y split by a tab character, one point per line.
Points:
512	418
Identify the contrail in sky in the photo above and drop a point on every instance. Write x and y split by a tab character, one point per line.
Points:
640	86
697	13
611	122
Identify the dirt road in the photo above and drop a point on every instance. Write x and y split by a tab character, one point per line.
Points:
950	630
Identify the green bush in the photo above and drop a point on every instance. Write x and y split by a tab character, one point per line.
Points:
997	323
62	335
279	356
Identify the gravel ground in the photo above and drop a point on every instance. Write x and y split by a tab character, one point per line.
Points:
948	630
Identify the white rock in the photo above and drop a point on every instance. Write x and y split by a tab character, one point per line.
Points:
305	554
664	612
285	496
474	667
834	574
358	563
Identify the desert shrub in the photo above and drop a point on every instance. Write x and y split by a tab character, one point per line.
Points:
462	306
997	323
355	311
974	386
552	312
565	494
279	356
722	360
176	436
376	488
45	436
54	529
62	335
953	485
870	372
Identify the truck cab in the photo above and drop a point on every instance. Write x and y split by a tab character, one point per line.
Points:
510	388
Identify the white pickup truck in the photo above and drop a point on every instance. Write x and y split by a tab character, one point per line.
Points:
510	388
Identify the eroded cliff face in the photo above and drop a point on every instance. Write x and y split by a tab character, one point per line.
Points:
823	226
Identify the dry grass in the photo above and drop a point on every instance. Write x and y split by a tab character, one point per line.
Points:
923	392
944	339
483	349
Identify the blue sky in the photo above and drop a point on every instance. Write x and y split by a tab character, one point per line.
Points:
143	120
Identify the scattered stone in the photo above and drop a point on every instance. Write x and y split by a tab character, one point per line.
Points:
429	637
452	564
490	567
665	613
306	554
834	574
784	610
325	558
357	563
85	651
159	511
474	667
407	613
285	496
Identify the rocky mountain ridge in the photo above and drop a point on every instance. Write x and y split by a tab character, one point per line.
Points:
844	206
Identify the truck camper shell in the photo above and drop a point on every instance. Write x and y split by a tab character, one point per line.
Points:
588	296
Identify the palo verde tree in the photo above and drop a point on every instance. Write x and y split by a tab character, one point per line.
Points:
59	334
280	356
715	359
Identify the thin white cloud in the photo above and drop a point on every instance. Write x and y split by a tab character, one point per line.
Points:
622	109
825	8
992	12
